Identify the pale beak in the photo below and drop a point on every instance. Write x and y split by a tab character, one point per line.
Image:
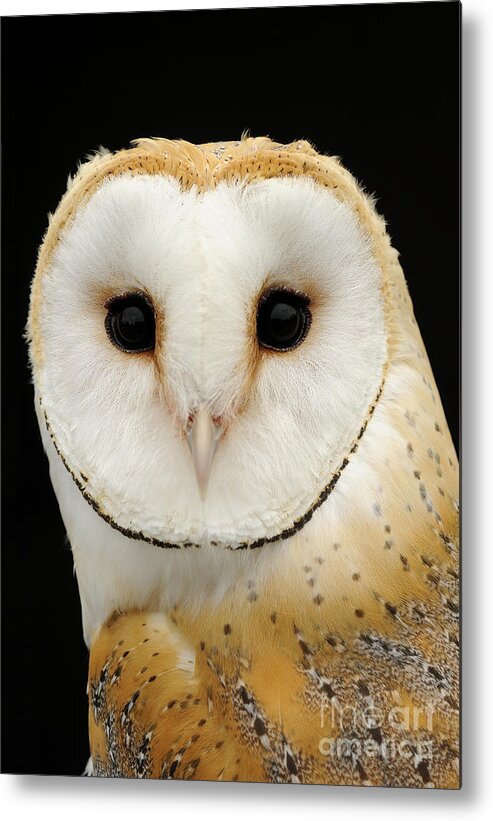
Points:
203	434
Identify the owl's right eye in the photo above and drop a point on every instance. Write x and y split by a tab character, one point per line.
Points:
283	319
130	322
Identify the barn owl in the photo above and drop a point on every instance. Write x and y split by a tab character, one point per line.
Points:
254	470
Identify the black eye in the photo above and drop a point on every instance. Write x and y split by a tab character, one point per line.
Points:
283	319
130	323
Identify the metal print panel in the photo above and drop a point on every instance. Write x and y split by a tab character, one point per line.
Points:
245	438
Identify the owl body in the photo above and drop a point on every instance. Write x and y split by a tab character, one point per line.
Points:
292	615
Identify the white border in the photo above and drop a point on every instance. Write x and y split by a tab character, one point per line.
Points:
76	798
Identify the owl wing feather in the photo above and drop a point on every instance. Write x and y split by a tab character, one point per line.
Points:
376	706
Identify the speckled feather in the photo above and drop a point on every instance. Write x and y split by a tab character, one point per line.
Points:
363	620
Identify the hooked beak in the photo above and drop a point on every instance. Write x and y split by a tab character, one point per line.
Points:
203	434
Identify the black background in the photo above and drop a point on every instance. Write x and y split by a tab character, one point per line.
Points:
377	85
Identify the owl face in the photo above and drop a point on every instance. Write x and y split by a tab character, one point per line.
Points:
209	357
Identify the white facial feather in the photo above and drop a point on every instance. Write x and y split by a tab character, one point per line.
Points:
204	260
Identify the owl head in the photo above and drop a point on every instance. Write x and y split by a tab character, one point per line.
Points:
208	337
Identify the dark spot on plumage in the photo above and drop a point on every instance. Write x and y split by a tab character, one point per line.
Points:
130	703
311	582
452	606
273	617
227	629
156	654
125	654
252	596
391	608
152	678
356	577
318	599
449	544
417	474
424	772
435	673
387	528
201	722
219	745
363	688
327	689
202	645
426	561
410	419
388	544
359	612
291	764
172	769
319	560
259	726
376	734
171	704
307	568
377	509
246	699
304	648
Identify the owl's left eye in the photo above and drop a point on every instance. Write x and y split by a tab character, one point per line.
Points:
130	322
283	319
